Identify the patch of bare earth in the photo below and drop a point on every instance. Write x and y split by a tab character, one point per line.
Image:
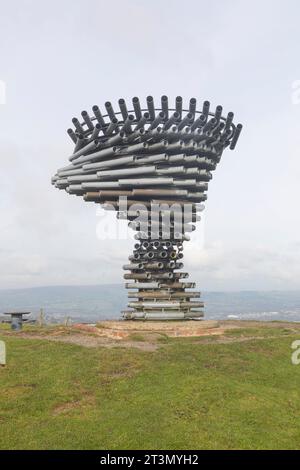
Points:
64	408
149	336
92	341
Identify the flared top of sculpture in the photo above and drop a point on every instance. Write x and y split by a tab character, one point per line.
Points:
153	152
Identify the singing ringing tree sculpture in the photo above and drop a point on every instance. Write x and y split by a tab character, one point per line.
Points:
152	165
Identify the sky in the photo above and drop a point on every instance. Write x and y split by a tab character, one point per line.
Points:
59	58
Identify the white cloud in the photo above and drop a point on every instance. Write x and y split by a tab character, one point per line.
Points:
235	267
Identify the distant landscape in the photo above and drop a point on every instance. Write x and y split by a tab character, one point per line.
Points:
100	302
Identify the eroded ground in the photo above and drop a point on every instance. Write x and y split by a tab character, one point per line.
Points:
148	336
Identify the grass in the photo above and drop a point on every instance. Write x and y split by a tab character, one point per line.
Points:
260	332
185	395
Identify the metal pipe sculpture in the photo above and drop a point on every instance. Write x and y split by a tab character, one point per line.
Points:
152	165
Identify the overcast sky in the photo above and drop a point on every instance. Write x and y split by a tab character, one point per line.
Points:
60	57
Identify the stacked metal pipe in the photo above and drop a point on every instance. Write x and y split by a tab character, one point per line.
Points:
152	165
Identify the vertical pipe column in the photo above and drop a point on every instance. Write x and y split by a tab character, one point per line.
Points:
157	287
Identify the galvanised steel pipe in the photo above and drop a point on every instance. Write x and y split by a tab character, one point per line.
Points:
110	163
137	276
129	267
100	185
157	181
127	124
72	134
178	104
123	108
205	109
160	192
87	120
236	136
162	295
137	108
178	285
78	126
152	159
186	120
110	110
199	122
95	156
165	275
172	120
96	132
151	266
165	106
135	149
151	110
159	118
81	178
90	147
141	122
113	125
192	107
98	116
141	285
80	142
143	170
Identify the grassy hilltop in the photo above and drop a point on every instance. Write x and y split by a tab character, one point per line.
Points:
238	391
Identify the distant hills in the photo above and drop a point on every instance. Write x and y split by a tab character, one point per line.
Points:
91	303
